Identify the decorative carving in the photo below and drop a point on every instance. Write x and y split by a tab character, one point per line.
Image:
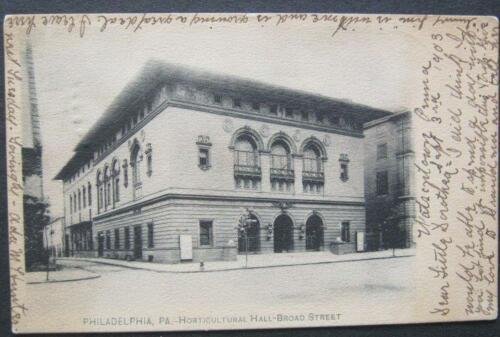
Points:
264	130
296	135
326	140
282	204
228	125
344	157
203	140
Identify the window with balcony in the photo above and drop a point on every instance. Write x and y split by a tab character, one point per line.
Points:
247	171
282	173
313	177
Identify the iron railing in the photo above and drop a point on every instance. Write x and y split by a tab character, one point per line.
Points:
246	163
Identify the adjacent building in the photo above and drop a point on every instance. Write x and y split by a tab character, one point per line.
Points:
53	237
34	204
389	181
182	156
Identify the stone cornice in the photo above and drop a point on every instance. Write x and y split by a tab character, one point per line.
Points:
186	196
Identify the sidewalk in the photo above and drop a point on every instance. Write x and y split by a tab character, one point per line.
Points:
63	275
254	261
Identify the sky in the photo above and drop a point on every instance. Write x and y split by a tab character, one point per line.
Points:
77	78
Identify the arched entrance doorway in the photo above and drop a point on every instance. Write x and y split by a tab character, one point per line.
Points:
253	239
314	233
283	234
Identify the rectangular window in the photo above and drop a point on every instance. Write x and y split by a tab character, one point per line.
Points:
344	173
345	231
117	238
79	200
151	242
203	158
274	109
288	112
89	192
206	233
84	197
382	183
381	151
256	106
126	238
237	103
217	99
108	240
320	117
70	204
305	116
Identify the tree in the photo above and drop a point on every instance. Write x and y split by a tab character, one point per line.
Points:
35	219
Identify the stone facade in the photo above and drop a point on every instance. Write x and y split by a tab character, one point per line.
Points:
192	158
389	180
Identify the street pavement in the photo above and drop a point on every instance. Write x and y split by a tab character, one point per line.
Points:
359	290
250	261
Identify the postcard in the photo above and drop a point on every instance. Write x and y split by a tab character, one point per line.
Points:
198	171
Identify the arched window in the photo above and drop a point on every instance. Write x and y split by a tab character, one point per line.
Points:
125	173
100	191
115	176
84	197
312	174
135	163
107	187
89	192
246	162
282	174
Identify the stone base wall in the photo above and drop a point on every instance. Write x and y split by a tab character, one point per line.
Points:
172	218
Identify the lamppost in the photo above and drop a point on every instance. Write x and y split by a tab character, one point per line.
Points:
244	224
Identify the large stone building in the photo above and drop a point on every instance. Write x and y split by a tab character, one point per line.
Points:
182	155
389	180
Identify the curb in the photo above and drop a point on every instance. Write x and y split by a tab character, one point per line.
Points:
69	280
238	268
